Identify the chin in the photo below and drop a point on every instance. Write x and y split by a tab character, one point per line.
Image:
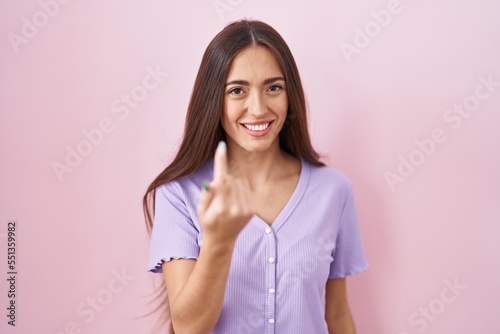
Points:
255	146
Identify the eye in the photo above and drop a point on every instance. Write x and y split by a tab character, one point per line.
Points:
236	91
275	88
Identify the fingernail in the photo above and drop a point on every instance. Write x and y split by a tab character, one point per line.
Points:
222	147
205	185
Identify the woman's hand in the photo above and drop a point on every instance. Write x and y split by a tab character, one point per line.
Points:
225	208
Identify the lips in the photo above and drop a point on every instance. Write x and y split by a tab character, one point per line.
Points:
258	129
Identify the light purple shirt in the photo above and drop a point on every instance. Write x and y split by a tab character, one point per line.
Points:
278	273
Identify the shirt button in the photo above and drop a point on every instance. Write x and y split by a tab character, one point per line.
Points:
271	260
271	321
268	230
272	290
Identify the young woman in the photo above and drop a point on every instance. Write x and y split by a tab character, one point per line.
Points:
253	234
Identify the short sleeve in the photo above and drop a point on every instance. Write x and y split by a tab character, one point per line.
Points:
174	236
348	255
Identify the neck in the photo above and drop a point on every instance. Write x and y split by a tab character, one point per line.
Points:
256	169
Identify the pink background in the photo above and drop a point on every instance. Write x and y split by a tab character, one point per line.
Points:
77	231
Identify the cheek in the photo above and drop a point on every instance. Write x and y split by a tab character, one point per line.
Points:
279	105
229	115
232	111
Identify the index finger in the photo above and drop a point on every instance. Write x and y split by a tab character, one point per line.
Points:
220	161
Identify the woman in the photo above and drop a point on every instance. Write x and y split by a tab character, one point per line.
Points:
265	246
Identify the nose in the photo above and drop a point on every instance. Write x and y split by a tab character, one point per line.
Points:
257	104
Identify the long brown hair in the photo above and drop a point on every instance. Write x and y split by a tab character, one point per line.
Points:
203	129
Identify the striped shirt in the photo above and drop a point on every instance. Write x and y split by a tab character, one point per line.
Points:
278	275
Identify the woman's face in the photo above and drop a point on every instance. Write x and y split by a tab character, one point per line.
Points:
255	101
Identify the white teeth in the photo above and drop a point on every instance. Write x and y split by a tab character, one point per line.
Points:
260	127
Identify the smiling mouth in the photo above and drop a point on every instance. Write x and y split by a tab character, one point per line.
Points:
259	127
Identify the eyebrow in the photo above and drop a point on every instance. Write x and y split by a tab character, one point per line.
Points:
246	83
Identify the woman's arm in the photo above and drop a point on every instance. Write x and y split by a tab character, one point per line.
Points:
337	313
196	288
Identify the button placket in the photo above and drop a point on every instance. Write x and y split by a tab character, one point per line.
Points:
271	280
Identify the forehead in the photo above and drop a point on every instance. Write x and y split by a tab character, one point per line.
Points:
255	62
